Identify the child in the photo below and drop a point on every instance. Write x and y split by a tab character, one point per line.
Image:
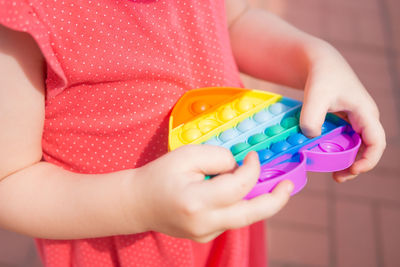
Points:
83	162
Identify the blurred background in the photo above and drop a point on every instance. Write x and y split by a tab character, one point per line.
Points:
328	225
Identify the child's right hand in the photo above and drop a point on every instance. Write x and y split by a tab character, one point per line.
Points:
176	200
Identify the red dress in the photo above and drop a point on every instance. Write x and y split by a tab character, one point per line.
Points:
114	71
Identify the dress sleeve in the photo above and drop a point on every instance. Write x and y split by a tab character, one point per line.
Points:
21	16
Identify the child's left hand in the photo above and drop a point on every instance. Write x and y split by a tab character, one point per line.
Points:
266	47
332	86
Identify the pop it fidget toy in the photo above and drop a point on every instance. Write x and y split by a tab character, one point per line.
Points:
245	120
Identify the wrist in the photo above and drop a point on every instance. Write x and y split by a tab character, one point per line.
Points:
131	203
317	50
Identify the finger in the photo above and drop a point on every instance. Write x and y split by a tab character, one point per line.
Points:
313	111
250	211
374	142
371	149
206	159
209	237
347	174
226	189
343	175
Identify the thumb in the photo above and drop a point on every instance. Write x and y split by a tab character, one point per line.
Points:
313	111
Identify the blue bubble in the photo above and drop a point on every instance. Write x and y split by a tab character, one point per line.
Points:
264	154
327	126
262	116
246	125
228	135
297	139
277	108
280	146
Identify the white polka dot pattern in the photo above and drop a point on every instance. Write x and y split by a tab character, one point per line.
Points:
115	70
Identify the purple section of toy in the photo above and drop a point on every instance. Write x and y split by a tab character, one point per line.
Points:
332	152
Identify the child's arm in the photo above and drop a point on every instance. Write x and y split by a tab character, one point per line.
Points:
37	198
168	195
266	47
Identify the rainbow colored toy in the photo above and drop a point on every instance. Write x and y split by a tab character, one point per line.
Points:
243	120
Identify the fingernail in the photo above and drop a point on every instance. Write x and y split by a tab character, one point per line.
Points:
289	187
344	179
351	177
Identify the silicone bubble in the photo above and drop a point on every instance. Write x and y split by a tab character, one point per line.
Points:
228	135
330	147
265	154
277	108
244	104
289	122
297	139
274	130
207	125
327	126
280	146
200	106
257	138
246	125
227	114
236	149
191	134
262	116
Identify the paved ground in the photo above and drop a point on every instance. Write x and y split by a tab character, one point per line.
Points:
354	224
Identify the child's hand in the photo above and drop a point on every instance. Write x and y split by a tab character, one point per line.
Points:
266	47
176	200
332	86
